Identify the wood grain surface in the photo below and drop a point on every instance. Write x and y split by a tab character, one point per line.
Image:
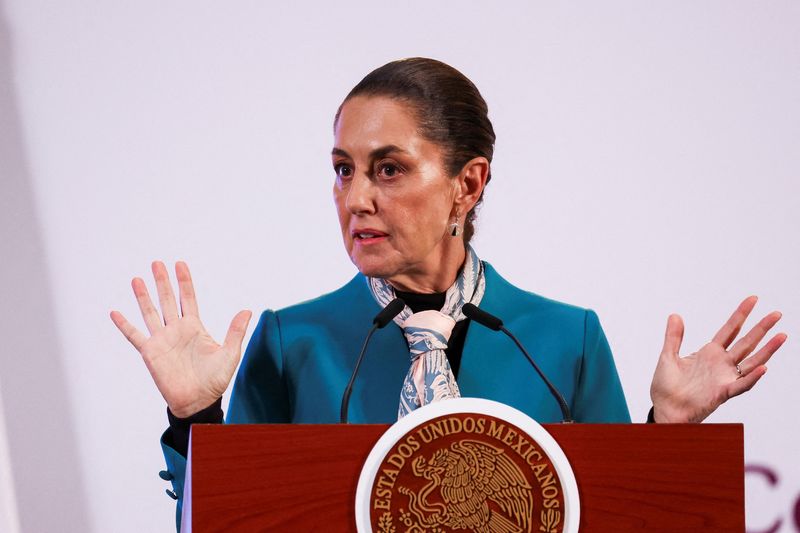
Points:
632	477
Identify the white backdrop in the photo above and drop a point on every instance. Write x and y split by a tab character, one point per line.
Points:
646	163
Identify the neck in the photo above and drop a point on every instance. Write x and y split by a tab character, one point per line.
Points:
438	277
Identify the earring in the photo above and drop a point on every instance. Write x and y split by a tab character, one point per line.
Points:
455	227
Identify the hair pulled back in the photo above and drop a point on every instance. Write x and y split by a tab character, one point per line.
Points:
449	109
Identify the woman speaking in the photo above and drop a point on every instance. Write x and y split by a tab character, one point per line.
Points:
411	157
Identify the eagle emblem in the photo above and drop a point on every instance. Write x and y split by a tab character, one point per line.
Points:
471	486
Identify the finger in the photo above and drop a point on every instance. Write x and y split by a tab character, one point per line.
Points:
763	355
165	296
746	382
236	331
186	288
673	336
748	343
149	312
731	328
133	335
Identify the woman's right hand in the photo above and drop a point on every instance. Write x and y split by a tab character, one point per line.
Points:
189	368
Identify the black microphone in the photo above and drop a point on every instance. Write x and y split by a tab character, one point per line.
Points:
381	319
480	316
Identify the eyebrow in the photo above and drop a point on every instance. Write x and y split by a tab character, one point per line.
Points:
377	153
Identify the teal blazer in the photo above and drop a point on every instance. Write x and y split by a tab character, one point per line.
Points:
300	359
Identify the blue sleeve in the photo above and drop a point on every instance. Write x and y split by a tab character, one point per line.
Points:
259	395
176	472
599	397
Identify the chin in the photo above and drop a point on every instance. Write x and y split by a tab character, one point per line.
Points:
374	267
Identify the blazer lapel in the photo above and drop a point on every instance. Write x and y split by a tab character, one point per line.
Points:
376	392
492	366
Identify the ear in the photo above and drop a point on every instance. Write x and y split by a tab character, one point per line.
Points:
470	183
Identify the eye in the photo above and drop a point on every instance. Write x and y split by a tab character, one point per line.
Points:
342	170
388	170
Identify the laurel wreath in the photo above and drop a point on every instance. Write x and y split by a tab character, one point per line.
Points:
385	523
550	519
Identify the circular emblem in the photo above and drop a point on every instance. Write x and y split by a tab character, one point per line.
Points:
467	465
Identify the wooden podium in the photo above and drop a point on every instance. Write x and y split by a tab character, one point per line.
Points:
632	477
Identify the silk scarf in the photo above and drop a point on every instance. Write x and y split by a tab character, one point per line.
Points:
430	377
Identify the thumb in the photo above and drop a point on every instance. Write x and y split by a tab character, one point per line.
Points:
673	336
236	331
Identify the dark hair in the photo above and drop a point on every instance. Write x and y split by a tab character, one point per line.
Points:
450	111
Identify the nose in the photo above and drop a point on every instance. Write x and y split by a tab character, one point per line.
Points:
361	195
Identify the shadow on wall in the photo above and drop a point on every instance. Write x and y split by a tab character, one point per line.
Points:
47	477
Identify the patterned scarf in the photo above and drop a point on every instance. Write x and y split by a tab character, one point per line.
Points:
430	377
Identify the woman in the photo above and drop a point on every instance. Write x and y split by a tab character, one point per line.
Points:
412	152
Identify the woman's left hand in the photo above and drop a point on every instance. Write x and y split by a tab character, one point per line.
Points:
688	389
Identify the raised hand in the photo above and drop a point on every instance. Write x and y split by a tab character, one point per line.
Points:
189	368
688	389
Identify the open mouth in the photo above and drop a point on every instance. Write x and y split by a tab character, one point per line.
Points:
367	236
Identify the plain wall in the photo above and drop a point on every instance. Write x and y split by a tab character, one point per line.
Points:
646	163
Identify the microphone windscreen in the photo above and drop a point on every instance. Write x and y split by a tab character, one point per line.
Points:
389	312
480	316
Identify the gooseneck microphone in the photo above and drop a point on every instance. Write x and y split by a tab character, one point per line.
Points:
381	319
480	316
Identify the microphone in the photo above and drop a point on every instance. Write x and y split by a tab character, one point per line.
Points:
490	321
385	316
